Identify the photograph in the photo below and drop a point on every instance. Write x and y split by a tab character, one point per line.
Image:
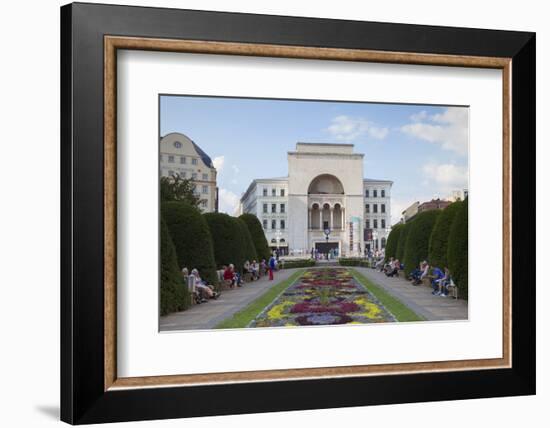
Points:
298	213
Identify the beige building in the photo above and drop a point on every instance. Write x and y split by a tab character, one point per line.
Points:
181	155
323	203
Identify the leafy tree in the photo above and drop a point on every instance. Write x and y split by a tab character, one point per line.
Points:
440	236
393	240
176	188
258	235
400	249
246	241
418	239
457	250
227	237
191	237
173	292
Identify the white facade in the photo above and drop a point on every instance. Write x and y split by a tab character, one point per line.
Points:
181	155
324	192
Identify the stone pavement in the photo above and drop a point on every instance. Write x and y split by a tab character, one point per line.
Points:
419	298
208	315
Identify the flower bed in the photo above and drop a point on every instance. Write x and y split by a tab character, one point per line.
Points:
327	296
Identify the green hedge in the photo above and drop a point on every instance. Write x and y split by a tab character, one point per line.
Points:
227	237
173	292
457	251
248	248
353	261
437	254
400	249
258	236
299	263
192	239
418	239
393	240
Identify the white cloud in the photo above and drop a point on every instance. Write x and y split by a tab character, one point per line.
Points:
449	129
236	169
228	202
218	162
346	128
446	177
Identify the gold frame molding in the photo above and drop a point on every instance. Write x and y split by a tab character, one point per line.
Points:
113	43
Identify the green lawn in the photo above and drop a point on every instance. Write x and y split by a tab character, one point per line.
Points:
245	316
395	306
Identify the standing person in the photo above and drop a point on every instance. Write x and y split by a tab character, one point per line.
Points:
271	267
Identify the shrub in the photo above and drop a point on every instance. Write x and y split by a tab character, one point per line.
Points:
227	237
350	261
393	239
173	292
457	250
437	254
248	247
298	263
258	236
400	249
418	239
192	239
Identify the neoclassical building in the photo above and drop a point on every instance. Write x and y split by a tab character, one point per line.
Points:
181	155
325	203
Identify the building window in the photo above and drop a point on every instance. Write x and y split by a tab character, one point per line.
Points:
265	191
282	192
170	173
205	176
265	224
374	208
382	208
383	242
367	208
194	176
383	223
273	208
274	224
265	209
273	192
177	145
204	189
282	208
183	160
171	159
375	222
194	161
161	158
282	224
383	194
367	224
183	174
367	193
374	193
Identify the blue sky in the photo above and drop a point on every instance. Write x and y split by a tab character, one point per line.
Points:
423	149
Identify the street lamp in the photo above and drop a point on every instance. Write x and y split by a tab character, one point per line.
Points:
327	233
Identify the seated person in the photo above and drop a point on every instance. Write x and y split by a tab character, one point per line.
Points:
255	270
420	273
443	283
246	267
393	268
206	291
229	276
437	276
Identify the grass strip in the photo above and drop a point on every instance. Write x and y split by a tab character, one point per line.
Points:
242	318
401	311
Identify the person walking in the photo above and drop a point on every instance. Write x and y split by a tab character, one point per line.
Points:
271	267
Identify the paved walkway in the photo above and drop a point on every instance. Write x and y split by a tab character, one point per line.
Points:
208	315
419	298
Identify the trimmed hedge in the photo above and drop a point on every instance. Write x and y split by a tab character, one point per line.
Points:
393	240
258	236
192	239
437	254
353	261
400	249
299	263
418	239
248	248
457	251
227	237
173	292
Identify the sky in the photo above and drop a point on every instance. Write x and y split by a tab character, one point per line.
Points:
422	149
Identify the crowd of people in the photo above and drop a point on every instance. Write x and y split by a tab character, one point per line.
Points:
202	291
440	279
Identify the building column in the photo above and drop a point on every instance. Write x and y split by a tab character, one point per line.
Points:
331	218
310	224
320	218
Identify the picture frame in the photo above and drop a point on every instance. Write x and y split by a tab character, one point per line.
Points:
91	391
